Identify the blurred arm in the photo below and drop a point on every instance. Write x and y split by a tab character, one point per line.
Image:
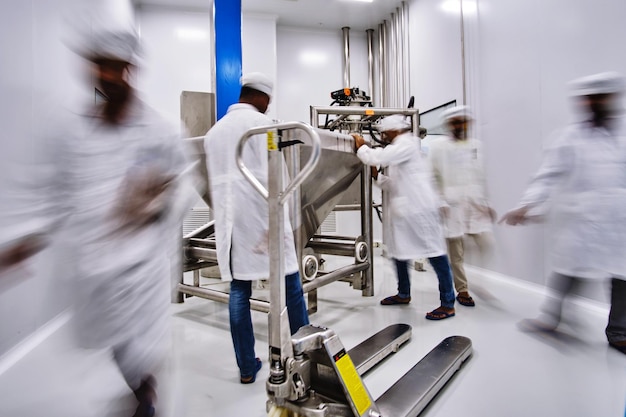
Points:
557	162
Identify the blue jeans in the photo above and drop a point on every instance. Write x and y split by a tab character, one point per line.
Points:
241	329
442	268
616	329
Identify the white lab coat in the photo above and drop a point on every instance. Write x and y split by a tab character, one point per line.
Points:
583	175
241	214
459	172
426	142
122	279
411	223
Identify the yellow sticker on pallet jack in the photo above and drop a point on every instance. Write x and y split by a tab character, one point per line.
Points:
354	384
271	140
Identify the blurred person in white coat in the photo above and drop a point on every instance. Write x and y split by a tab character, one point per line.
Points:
116	183
242	219
411	221
458	166
581	185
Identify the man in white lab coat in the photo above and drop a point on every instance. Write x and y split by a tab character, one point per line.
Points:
458	166
583	176
411	222
242	219
116	184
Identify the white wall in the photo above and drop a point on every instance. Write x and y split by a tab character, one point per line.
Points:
309	68
258	51
174	63
179	55
530	50
509	122
435	54
39	71
519	57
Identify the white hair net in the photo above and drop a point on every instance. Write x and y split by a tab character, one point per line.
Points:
120	44
602	83
258	81
394	122
458	111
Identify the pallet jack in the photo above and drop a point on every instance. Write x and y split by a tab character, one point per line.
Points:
311	373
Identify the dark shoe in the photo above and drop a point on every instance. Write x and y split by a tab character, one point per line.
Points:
395	299
536	326
621	346
146	395
251	379
144	410
465	299
440	313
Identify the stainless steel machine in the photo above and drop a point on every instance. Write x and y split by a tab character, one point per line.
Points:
311	202
338	182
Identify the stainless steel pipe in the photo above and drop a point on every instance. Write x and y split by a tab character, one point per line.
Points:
204	254
337	274
370	62
333	237
332	248
393	61
220	296
365	111
380	96
406	49
202	243
346	56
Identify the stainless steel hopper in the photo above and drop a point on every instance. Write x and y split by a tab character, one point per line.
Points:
324	188
337	174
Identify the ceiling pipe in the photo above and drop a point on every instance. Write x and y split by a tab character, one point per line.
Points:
346	56
463	54
406	50
381	66
385	46
393	60
370	62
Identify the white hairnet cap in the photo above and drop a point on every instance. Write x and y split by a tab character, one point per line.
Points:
394	122
122	45
458	111
258	81
603	83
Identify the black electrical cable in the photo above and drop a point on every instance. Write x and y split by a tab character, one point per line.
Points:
378	212
373	135
328	121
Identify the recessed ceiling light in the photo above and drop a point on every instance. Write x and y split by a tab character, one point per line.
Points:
361	1
313	58
454	6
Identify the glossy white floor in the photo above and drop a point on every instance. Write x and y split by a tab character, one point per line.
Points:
510	374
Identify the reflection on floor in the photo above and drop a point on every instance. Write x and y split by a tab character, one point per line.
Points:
511	373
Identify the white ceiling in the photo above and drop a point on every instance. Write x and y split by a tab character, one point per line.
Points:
325	14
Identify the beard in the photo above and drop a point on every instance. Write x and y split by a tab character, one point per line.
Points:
116	93
601	111
459	133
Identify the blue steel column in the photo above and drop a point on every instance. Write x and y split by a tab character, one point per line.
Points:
227	53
